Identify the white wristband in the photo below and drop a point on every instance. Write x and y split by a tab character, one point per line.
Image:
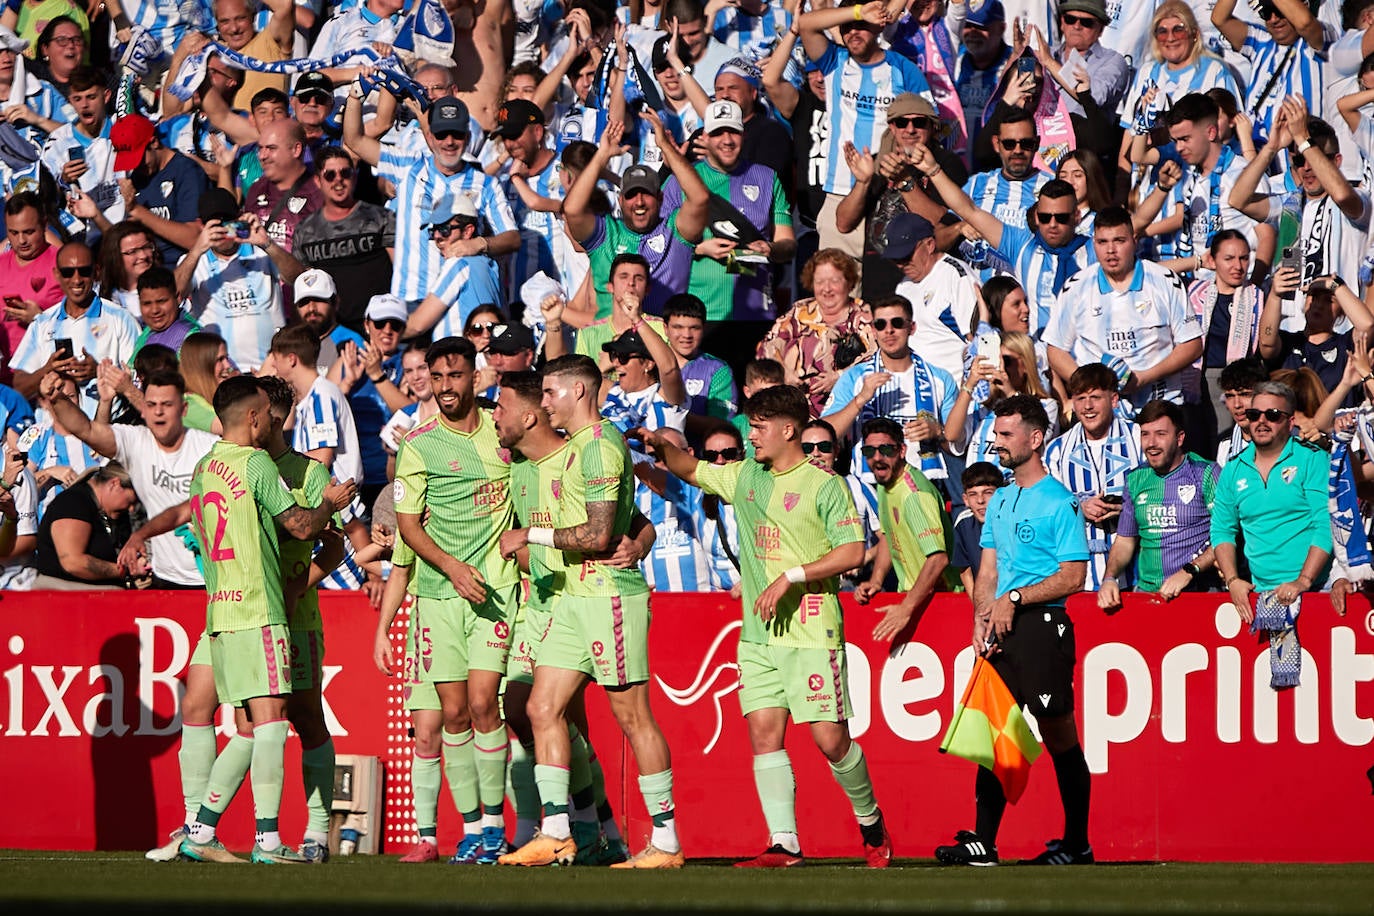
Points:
541	536
796	575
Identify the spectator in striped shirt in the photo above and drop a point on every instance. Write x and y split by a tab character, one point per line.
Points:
1286	55
1009	192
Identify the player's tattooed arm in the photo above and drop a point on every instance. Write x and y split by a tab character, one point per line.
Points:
593	535
304	524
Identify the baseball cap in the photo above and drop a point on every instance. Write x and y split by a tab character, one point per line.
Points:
384	306
658	59
515	115
449	114
455	205
908	104
315	284
627	344
640	178
510	339
986	12
130	136
314	80
903	233
1094	8
217	203
723	115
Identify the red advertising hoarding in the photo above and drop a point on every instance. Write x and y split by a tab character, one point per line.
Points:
1193	756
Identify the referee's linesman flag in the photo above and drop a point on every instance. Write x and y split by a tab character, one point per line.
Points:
988	729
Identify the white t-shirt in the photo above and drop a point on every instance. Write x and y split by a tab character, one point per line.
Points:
18	572
162	479
942	305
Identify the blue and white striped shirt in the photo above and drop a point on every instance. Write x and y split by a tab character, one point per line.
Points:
1037	268
1005	197
678	561
238	298
1089	469
324	420
857	99
422	191
538	229
1300	72
466	284
103	332
1207	73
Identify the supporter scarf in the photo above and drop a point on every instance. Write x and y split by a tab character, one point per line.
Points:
1051	119
1185	244
391	73
1317	241
1351	544
638	85
1147	116
1082	474
932	49
427	31
1064	263
1280	622
1245	310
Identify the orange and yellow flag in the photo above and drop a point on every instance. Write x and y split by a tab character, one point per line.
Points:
988	729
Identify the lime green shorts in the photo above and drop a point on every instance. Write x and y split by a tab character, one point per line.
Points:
307	659
418	694
605	638
251	663
811	684
201	655
455	637
531	626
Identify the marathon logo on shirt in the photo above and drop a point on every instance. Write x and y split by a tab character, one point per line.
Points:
867	103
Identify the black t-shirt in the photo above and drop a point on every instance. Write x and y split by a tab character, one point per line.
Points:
174	194
1214	354
352	251
810	146
107	534
1327	358
766	142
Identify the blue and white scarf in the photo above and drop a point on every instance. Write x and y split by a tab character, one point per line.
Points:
1280	622
427	31
1185	244
391	73
1350	543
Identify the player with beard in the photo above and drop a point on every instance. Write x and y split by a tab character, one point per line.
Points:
916	525
452	473
1034	557
803	533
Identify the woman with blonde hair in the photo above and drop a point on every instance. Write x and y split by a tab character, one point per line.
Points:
205	363
1178	64
819	337
1013	371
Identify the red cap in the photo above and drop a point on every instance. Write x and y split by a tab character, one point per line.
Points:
130	136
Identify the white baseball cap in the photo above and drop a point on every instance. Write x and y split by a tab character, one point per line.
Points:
383	306
315	284
723	115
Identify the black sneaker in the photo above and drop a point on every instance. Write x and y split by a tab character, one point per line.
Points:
968	849
1057	854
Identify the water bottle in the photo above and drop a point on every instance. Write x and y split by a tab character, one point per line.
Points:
348	841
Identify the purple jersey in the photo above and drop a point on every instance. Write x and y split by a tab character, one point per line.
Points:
1171	516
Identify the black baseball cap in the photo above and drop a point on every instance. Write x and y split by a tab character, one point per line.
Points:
627	344
449	114
313	81
217	203
510	339
641	178
515	115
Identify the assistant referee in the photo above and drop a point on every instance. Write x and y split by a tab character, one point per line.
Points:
1034	556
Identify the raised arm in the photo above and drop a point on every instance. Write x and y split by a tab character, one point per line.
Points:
1231	28
305	524
577	211
813	25
1340	189
691	215
781	93
282	25
98	436
680	464
988	226
366	148
670	383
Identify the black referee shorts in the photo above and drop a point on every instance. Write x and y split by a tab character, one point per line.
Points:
1037	660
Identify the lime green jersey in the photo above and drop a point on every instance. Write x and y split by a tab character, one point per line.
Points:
236	493
462	479
306	478
536	488
597	470
787	519
912	514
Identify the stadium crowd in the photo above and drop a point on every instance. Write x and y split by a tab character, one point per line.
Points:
728	235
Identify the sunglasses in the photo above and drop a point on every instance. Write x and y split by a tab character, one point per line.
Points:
445	230
393	324
1273	414
880	324
1267	12
454	134
978	28
316	95
728	454
1085	22
84	270
1171	31
919	122
825	448
1029	144
623	358
346	173
887	451
1045	219
481	328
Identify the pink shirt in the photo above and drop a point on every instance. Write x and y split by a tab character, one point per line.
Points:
36	280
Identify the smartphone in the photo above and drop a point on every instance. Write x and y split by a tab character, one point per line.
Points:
64	348
14	302
1114	499
76	154
1290	259
1025	65
239	228
989	345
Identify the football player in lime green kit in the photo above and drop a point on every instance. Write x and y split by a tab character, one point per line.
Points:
237	501
453	468
600	626
540	454
302	571
799	531
917	528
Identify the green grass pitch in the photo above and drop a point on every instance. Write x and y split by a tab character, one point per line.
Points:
102	882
